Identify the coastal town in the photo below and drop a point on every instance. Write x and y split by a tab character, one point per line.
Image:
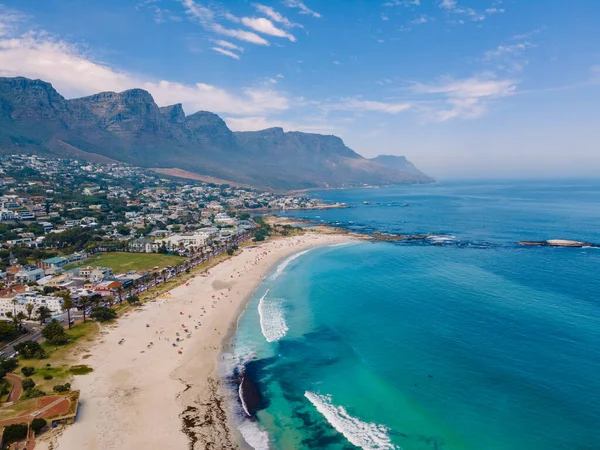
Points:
81	241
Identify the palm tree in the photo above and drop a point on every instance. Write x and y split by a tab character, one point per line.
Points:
14	302
29	307
84	301
20	318
120	292
67	305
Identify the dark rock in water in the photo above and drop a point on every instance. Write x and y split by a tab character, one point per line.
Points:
251	396
556	243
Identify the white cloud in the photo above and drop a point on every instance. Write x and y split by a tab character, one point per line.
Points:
448	4
228	45
420	20
242	35
207	18
495	10
360	105
73	74
9	19
402	3
509	57
503	50
225	52
198	12
527	35
274	15
303	9
265	26
466	98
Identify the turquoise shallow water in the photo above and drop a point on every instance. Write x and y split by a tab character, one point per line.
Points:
465	342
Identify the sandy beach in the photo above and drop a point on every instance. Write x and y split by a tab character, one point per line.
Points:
154	392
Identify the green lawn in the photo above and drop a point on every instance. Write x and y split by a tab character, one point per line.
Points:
123	262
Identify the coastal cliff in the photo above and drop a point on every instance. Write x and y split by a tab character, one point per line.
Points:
130	127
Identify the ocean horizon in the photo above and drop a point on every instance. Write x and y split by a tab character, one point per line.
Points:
465	340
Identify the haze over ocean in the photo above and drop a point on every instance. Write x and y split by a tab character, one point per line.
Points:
463	341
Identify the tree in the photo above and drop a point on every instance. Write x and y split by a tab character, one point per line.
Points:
43	314
20	318
8	330
27	371
230	251
14	432
133	299
62	387
68	304
38	424
29	307
28	384
30	349
7	365
103	314
84	302
55	333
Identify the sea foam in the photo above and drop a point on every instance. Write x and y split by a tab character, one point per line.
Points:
281	267
272	320
368	436
255	436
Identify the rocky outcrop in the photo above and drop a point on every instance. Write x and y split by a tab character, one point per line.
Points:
129	126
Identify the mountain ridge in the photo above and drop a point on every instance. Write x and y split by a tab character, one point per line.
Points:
130	127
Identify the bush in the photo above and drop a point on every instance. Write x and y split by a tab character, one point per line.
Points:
103	314
27	371
14	432
230	251
133	299
33	393
55	333
48	377
31	349
37	424
80	369
28	384
62	387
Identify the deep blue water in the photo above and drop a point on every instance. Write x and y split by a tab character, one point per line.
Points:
474	344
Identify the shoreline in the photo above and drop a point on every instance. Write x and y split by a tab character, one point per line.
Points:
152	382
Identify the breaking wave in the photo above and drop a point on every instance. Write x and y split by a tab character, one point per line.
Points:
286	262
368	436
272	321
256	437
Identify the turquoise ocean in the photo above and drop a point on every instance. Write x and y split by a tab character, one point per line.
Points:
463	341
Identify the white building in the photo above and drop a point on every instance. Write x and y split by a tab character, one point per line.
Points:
195	239
18	304
29	273
224	218
95	273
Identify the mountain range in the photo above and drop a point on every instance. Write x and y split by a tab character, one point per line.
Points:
130	127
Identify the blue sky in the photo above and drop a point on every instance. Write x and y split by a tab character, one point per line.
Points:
500	88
